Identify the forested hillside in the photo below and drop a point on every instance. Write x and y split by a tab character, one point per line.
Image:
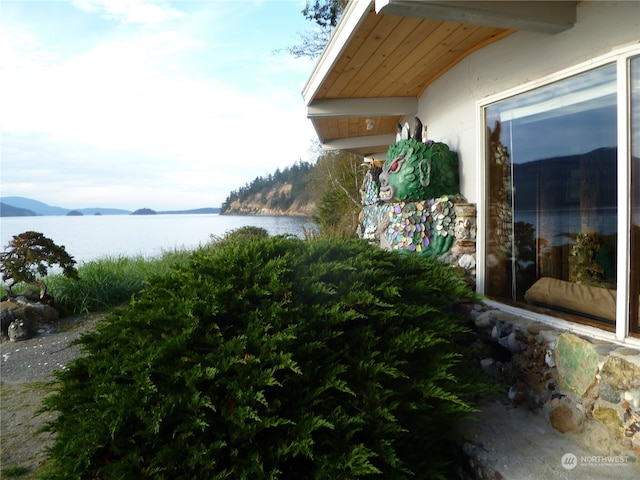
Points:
327	190
285	192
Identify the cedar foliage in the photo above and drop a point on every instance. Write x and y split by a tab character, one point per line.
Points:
271	358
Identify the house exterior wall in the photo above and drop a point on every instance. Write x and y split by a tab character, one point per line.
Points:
448	107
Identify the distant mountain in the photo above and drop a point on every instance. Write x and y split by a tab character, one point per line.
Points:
196	210
40	208
11	211
22	206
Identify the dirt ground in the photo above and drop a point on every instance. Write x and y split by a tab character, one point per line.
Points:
25	374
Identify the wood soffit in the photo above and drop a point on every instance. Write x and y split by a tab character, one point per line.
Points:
388	57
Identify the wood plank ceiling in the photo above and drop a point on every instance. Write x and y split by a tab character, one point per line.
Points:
390	56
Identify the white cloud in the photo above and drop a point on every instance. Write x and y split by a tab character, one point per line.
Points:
131	11
20	51
144	107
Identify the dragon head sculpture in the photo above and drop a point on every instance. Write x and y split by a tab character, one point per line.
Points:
417	170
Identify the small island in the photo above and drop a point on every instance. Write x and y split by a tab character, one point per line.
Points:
144	211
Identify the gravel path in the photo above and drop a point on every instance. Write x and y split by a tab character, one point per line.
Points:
25	369
35	359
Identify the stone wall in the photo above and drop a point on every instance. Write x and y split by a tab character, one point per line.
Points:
445	228
587	389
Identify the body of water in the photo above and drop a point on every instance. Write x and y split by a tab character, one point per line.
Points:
89	237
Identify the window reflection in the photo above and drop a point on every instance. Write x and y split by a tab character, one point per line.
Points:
552	168
635	194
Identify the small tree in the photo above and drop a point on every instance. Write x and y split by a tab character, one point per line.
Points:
27	259
325	14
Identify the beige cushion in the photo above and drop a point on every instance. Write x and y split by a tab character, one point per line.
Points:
592	301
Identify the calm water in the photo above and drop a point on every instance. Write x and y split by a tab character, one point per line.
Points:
94	236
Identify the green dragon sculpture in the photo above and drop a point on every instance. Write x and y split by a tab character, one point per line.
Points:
417	170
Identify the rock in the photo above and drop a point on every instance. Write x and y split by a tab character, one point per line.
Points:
535	328
549	356
518	394
608	394
632	425
485	320
633	397
576	362
511	343
22	329
620	373
20	321
610	418
44	313
467	261
549	336
496	332
565	418
489	366
8	313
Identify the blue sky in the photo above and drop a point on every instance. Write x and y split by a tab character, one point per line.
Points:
146	103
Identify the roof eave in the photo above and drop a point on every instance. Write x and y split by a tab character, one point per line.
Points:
539	16
346	28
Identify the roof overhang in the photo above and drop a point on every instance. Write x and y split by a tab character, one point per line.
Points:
384	54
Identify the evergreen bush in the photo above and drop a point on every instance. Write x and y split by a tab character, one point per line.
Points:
273	358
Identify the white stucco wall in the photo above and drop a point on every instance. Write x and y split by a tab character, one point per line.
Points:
448	107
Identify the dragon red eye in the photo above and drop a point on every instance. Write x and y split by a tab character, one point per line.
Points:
394	166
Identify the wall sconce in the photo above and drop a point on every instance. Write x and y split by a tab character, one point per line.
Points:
369	122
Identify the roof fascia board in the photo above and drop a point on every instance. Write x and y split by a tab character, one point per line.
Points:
363	107
538	16
360	142
352	17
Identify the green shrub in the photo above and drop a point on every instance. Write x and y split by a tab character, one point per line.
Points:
242	234
275	358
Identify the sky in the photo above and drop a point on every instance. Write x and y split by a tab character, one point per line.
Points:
155	104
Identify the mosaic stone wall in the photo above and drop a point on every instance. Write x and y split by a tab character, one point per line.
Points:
397	216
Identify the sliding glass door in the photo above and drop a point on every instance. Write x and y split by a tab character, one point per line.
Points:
552	186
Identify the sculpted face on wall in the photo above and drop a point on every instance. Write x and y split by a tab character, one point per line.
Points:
411	200
418	170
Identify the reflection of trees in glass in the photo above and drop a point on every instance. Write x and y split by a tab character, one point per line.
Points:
500	213
523	256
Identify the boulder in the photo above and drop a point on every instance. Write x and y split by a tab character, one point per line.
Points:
566	418
20	320
577	363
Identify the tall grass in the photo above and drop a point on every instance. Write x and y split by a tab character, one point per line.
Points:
109	281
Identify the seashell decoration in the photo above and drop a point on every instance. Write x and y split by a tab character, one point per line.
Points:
408	225
370	190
